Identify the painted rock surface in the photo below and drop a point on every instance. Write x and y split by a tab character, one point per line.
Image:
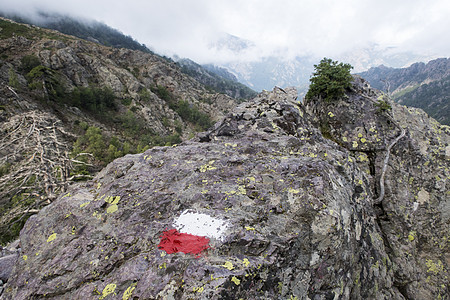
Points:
268	204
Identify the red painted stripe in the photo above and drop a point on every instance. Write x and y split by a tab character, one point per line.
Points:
173	241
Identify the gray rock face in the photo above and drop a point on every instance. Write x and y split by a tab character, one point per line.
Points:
6	264
297	215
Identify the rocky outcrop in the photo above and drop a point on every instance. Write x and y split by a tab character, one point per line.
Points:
287	212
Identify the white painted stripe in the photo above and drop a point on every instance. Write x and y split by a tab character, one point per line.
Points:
201	225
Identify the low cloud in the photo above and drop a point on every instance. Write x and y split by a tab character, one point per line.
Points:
274	27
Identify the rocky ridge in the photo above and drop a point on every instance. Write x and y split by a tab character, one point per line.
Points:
295	187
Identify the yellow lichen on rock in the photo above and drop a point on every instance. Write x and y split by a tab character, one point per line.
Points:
228	265
198	289
109	289
434	267
128	292
294	191
84	204
112	199
51	238
112	209
207	167
246	262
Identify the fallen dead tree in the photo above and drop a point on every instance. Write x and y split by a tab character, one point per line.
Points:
36	166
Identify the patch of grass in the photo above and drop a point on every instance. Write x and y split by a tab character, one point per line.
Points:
404	91
9	29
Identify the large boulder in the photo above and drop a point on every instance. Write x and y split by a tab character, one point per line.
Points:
262	206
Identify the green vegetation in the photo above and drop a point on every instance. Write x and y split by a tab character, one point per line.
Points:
192	114
216	80
405	91
4	169
29	62
93	99
10	29
47	81
96	100
163	93
433	98
188	112
11	231
126	101
330	80
102	103
144	95
13	80
105	149
383	106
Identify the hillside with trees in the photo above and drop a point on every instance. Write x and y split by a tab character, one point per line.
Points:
98	32
69	106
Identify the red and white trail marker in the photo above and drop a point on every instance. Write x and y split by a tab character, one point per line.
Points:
192	234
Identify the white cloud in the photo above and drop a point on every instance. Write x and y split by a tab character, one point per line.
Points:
276	27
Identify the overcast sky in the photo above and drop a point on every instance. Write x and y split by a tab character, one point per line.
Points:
191	28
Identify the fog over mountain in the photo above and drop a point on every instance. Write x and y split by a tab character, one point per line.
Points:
281	29
271	44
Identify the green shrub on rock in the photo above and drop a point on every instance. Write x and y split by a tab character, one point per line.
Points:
330	80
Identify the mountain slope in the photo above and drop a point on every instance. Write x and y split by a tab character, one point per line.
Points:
421	85
85	29
217	79
103	34
76	105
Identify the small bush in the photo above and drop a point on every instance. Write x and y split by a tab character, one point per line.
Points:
126	101
383	106
330	80
145	95
162	92
29	62
13	80
48	80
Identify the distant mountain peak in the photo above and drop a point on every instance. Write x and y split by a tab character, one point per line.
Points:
230	42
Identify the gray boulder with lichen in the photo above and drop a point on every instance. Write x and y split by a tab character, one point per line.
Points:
302	220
